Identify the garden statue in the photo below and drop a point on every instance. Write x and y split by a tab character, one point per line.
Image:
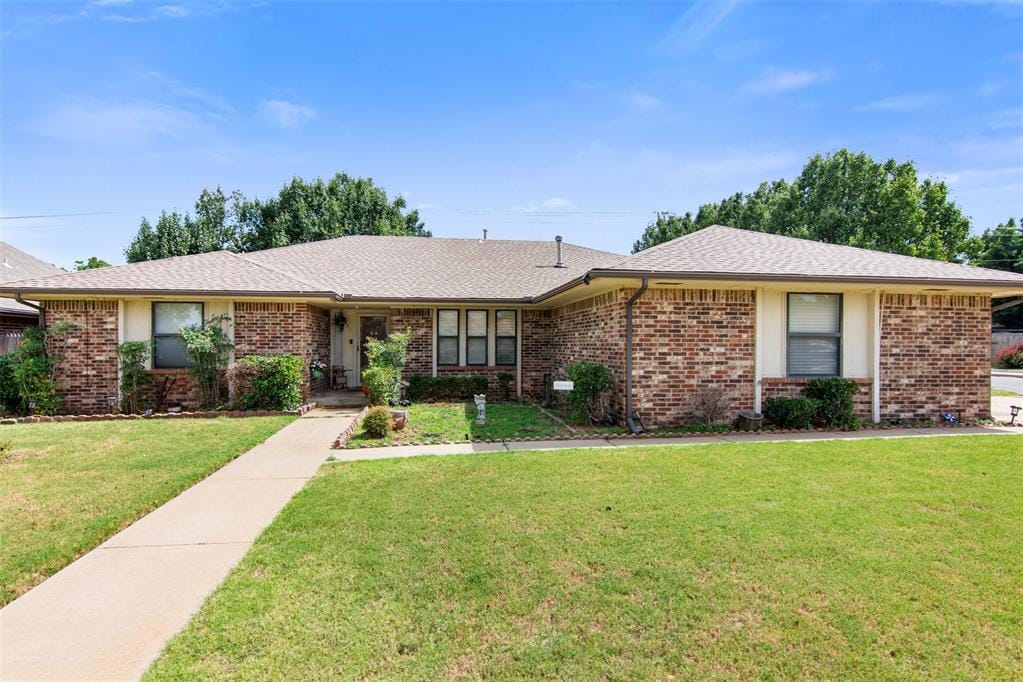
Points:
481	408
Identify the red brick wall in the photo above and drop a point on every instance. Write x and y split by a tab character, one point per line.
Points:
16	323
591	330
935	355
418	321
182	390
686	340
318	328
262	328
792	387
86	355
537	341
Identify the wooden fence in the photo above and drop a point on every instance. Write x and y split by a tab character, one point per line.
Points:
1000	340
9	341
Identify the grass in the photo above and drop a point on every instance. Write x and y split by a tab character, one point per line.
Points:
1002	393
443	422
67	487
871	559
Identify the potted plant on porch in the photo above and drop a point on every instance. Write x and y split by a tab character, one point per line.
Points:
317	370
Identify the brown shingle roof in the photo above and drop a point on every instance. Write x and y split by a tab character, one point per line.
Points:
15	264
725	252
354	267
434	268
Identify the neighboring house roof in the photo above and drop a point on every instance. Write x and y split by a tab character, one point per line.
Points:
719	252
435	268
15	264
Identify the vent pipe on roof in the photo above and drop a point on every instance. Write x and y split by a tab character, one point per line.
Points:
484	234
561	262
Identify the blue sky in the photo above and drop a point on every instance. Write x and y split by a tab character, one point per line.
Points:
528	119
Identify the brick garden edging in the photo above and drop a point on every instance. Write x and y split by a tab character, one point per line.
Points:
211	414
341	441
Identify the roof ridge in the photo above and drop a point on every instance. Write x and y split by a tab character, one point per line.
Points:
312	286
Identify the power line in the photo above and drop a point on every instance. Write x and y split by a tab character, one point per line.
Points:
57	215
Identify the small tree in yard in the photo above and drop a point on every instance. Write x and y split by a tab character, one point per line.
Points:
134	378
386	360
208	348
33	369
592	385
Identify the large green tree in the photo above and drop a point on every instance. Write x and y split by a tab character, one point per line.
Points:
1001	248
301	212
840	198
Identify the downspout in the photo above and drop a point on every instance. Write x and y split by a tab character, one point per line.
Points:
628	356
42	313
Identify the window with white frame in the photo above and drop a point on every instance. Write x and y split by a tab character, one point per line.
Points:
814	335
476	337
505	337
168	320
447	337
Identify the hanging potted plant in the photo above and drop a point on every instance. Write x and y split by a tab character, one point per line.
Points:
340	321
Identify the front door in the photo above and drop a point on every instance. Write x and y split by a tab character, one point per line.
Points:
370	327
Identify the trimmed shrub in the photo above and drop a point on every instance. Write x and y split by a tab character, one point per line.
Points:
591	381
266	382
377	422
208	345
834	396
504	384
381	384
427	388
1010	358
791	413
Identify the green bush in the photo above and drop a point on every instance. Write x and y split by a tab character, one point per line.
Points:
427	388
377	422
267	382
591	381
208	346
135	381
791	413
834	396
33	372
504	380
381	385
390	352
10	400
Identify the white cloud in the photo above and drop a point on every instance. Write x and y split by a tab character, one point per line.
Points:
694	26
286	114
184	91
171	11
113	123
109	3
644	102
773	82
556	204
902	103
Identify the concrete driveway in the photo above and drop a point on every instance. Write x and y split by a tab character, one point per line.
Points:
108	615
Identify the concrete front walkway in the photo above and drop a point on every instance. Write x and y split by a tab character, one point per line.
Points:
359	454
108	615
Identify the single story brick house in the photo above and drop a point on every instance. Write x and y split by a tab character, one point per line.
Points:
754	314
15	265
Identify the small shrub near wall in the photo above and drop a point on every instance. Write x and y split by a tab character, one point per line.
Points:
834	396
592	386
790	413
381	385
426	388
266	382
10	400
377	422
1010	358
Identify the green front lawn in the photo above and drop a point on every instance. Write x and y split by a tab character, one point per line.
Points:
872	559
443	422
67	487
1002	393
